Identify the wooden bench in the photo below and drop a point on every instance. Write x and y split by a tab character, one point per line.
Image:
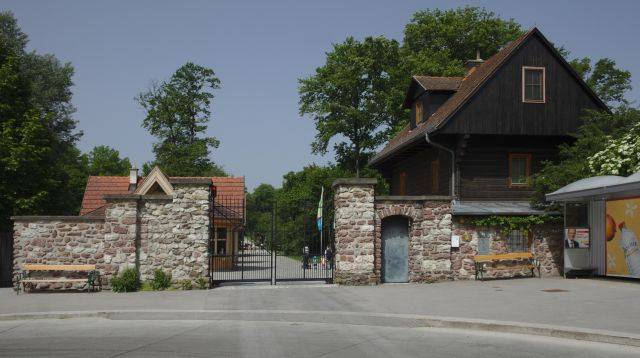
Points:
91	281
526	259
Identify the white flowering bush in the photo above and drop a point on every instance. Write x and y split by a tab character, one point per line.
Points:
621	156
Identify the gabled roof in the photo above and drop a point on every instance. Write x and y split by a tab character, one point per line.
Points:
469	86
93	203
156	176
434	83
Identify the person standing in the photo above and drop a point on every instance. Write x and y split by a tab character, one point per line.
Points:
328	255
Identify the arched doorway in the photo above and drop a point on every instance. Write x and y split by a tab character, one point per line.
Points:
395	249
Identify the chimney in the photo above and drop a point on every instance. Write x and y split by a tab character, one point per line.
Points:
470	65
133	178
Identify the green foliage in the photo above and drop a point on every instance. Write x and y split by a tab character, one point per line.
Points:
127	281
104	160
350	97
202	283
508	223
161	280
186	284
601	132
177	114
41	170
610	83
438	42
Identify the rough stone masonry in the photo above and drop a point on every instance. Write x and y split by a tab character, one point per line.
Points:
143	231
359	216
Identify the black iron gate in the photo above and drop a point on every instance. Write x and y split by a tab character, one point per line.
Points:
290	252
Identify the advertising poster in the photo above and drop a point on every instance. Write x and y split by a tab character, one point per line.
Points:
576	238
622	230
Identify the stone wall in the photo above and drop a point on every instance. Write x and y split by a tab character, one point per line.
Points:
175	233
354	231
547	247
120	241
429	235
58	240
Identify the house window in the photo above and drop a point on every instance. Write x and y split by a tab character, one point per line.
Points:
519	170
419	112
533	88
435	174
402	187
517	241
221	241
484	242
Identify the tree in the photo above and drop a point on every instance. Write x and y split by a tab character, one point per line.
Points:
41	170
604	145
438	42
350	98
610	83
104	160
178	111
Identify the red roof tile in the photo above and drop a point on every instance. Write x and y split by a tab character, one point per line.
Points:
97	186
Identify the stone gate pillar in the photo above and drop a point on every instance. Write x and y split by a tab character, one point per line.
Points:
354	226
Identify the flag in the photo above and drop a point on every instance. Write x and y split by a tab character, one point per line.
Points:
319	218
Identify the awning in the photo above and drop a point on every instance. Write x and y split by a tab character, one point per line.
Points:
495	208
598	187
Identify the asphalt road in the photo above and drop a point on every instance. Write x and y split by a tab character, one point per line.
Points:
156	338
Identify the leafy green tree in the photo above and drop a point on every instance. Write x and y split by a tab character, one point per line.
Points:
610	83
178	111
438	42
350	98
104	160
41	170
602	138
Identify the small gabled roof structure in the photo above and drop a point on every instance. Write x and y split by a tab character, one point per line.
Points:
467	87
155	179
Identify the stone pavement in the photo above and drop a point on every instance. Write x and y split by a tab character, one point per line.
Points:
586	304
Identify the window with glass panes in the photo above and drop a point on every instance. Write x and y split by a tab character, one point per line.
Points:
517	241
221	241
533	84
519	169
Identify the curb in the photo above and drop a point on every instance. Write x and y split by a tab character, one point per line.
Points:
353	318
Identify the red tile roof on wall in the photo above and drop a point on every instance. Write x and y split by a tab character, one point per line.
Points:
97	186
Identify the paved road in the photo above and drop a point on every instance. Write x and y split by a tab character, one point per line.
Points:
131	338
588	304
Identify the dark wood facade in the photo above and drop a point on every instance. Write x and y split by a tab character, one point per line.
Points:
491	126
498	107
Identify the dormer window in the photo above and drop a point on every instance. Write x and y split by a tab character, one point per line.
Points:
419	112
533	90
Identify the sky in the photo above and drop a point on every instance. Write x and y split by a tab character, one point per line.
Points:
259	50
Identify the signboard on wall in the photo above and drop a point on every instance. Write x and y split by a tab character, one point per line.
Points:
576	238
622	221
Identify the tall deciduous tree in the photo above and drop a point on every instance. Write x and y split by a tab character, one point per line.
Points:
41	171
178	111
104	160
350	98
608	81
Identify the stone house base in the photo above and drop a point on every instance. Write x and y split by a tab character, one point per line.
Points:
360	216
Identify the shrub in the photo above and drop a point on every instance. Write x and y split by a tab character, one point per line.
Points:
127	281
161	280
186	284
202	283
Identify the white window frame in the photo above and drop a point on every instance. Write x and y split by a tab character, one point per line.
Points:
544	84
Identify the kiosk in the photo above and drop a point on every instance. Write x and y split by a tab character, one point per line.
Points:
602	225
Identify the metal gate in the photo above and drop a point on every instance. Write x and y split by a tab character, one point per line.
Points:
289	252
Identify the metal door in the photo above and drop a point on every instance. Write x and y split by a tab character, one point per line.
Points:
395	249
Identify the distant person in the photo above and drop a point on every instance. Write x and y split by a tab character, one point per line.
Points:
328	255
570	242
305	257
